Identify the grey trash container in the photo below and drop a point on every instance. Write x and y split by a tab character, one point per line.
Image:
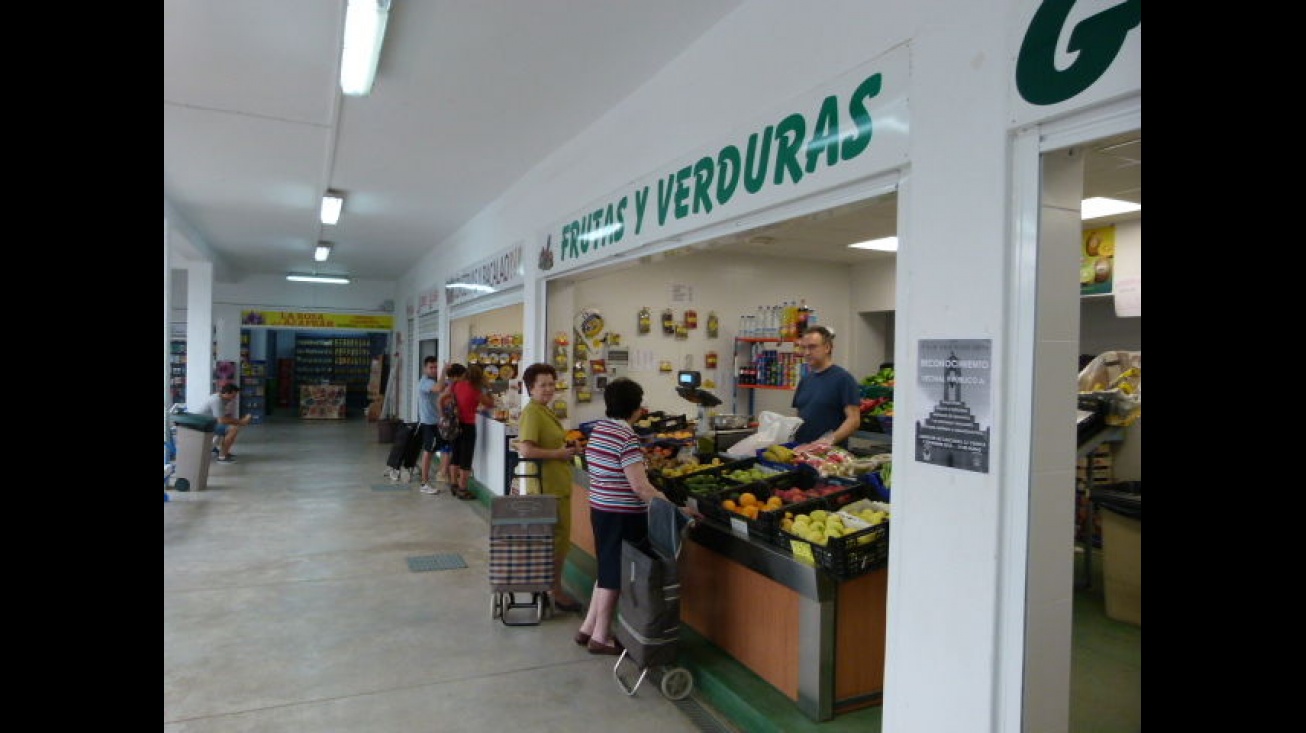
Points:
194	443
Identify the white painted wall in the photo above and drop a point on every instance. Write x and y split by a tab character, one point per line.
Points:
956	658
949	554
718	282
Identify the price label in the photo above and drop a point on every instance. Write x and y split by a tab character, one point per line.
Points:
802	551
739	527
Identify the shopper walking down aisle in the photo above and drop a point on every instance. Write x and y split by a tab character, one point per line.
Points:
619	496
223	406
541	437
828	398
428	416
468	389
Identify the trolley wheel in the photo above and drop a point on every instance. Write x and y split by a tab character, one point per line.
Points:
181	484
540	599
677	683
496	605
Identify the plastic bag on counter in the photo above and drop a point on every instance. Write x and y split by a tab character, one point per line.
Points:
1116	377
772	428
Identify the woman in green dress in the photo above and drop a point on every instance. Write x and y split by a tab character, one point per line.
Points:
541	438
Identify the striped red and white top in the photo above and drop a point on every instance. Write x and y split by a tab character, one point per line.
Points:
612	446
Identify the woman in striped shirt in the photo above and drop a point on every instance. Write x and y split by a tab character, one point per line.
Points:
619	495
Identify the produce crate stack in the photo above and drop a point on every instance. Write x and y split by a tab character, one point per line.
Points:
762	506
862	547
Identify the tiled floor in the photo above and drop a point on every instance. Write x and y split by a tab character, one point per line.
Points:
289	605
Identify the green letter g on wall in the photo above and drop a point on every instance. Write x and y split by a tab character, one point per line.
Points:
1096	41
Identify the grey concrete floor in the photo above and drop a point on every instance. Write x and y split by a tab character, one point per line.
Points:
288	605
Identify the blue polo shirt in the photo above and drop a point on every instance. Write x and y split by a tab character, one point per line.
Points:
820	400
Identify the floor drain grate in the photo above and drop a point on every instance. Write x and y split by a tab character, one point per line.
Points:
448	561
389	487
700	717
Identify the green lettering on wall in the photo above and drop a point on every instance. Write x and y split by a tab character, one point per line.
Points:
1094	42
728	170
641	206
857	141
825	134
755	162
789	136
703	185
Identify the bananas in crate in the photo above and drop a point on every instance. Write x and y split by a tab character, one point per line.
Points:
778	454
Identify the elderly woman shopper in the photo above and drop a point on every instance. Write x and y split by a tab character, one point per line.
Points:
619	495
542	439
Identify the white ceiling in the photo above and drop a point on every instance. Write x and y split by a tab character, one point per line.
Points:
469	96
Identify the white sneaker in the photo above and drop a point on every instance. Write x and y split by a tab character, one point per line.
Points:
393	473
428	489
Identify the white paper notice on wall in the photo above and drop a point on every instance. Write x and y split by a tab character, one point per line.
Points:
682	293
1129	297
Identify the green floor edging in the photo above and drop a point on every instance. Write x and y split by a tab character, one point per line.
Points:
734	692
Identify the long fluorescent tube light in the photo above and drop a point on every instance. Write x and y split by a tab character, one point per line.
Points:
364	32
885	244
332	202
476	286
322	252
333	279
1098	207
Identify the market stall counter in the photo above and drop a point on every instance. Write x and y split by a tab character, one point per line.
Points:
817	639
494	457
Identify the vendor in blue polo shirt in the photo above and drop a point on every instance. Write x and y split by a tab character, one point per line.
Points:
828	398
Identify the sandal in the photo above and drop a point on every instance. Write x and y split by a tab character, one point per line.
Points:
464	494
581	638
612	647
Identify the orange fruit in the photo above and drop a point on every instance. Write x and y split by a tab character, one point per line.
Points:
729	505
750	511
747	499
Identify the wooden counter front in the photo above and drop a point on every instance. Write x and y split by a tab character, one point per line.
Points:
817	640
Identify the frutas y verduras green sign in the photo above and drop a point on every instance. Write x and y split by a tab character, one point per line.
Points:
814	145
1092	43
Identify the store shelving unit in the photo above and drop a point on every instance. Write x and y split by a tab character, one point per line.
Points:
771	369
253	390
342	361
177	370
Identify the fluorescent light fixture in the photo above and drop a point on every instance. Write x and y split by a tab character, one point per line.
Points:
364	31
885	244
1098	207
472	286
333	279
322	252
332	202
600	233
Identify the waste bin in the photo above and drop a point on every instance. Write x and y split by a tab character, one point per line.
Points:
194	445
1121	507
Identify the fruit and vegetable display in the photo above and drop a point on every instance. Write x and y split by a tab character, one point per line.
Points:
824	458
847	543
819	525
877	393
882	378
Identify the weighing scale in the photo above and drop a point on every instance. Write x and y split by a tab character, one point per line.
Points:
688	387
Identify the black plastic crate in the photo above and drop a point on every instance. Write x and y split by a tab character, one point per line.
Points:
854	554
677	488
766	526
670	422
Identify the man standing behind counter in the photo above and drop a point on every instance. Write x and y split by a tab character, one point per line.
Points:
828	399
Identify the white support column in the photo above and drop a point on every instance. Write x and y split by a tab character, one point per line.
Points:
199	333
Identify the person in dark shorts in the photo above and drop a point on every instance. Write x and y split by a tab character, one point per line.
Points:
468	388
